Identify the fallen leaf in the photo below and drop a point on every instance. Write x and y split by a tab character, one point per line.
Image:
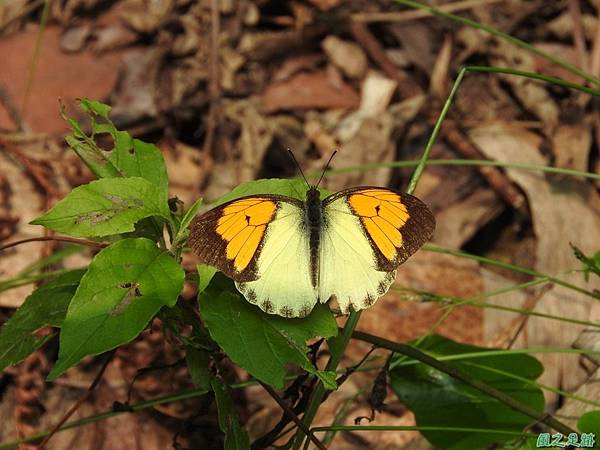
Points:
346	55
308	90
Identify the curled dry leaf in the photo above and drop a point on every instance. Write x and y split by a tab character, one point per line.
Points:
75	38
346	55
146	16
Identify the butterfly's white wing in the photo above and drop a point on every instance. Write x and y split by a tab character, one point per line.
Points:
367	233
283	285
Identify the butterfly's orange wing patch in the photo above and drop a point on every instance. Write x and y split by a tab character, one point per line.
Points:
242	225
229	236
383	215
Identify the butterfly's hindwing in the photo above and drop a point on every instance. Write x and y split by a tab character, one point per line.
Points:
284	283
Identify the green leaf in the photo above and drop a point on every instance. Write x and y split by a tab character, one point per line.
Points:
262	343
293	187
128	158
205	275
46	306
124	287
105	207
437	399
236	437
190	214
590	423
197	362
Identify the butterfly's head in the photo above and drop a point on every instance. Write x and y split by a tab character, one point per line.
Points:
313	195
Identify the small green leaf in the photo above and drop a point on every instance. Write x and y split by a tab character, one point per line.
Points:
590	423
197	361
46	306
124	287
261	343
105	207
205	275
95	107
437	399
190	214
128	158
236	437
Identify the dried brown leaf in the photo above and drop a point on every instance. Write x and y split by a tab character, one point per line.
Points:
308	90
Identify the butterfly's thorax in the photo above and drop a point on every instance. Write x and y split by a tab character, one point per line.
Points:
314	224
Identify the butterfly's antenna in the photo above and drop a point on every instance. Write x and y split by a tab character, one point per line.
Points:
326	167
299	168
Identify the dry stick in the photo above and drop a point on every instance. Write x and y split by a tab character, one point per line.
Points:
404	16
292	415
578	35
364	37
79	402
494	176
509	401
55	238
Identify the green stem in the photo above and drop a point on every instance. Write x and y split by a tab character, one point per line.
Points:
412	352
504	36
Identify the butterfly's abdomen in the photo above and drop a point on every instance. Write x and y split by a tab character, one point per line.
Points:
314	223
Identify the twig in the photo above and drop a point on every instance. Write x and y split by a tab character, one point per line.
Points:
79	402
360	32
578	35
292	415
55	238
404	16
495	177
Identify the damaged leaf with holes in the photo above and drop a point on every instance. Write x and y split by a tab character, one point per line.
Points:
125	286
105	207
110	153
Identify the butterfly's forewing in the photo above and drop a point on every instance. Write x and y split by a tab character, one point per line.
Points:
368	232
261	243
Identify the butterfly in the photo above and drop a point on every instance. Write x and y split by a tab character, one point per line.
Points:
285	255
